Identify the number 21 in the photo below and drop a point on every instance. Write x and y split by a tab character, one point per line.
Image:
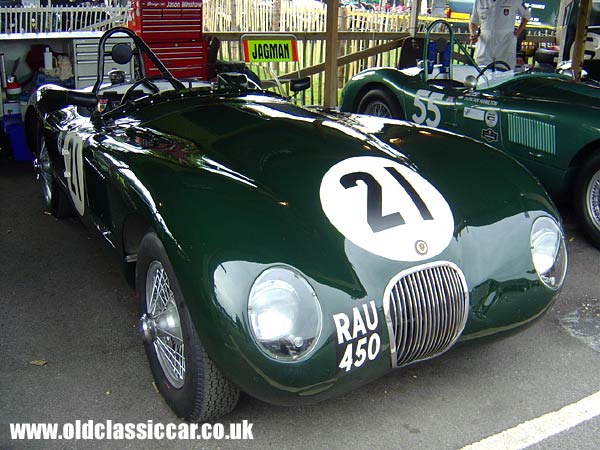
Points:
375	218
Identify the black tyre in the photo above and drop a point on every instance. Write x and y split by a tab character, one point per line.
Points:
380	103
54	198
587	198
189	381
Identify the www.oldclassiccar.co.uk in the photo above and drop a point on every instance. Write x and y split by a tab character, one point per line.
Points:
109	430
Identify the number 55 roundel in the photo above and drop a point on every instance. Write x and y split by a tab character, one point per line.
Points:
386	208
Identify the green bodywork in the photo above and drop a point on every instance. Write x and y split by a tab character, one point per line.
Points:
545	120
230	184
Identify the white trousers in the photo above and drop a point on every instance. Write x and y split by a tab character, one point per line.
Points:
496	46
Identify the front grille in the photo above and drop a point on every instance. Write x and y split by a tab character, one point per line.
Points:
426	310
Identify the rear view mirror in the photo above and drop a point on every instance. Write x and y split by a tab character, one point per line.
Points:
299	84
232	80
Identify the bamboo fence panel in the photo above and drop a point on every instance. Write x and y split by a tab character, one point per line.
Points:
228	19
260	16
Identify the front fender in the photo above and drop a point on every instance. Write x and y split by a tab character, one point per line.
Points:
395	81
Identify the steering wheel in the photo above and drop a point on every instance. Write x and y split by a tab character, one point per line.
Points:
149	83
494	65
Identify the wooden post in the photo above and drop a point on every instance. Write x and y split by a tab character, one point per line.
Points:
233	8
343	46
583	18
414	17
331	51
276	22
235	47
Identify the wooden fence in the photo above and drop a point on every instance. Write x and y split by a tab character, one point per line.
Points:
358	31
49	19
311	55
228	19
293	16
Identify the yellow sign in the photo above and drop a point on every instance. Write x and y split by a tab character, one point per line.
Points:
270	50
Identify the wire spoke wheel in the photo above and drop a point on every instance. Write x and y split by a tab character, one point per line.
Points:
164	325
378	109
592	199
380	102
43	169
191	384
55	199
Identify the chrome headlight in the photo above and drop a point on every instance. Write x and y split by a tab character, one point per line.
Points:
549	252
284	314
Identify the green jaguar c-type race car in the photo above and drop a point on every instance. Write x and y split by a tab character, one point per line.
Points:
291	253
547	121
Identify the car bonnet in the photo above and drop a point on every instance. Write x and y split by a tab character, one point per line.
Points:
313	161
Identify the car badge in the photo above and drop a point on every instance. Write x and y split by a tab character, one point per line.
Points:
101	105
491	118
489	135
421	247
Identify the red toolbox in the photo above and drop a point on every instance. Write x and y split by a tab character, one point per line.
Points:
183	59
173	30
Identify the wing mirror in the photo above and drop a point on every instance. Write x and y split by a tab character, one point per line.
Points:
299	84
470	82
121	53
232	80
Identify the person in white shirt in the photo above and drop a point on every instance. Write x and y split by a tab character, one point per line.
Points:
497	40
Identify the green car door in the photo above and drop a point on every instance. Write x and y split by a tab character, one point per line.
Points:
472	113
528	128
435	107
525	129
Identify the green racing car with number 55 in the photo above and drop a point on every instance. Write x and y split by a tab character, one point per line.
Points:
547	121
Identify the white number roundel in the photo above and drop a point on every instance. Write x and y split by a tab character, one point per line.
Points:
386	208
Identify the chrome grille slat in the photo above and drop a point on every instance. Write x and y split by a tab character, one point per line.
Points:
417	320
460	311
453	294
407	324
403	330
449	311
393	319
439	307
423	323
426	310
428	322
410	321
432	301
456	292
398	319
442	311
417	317
414	328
